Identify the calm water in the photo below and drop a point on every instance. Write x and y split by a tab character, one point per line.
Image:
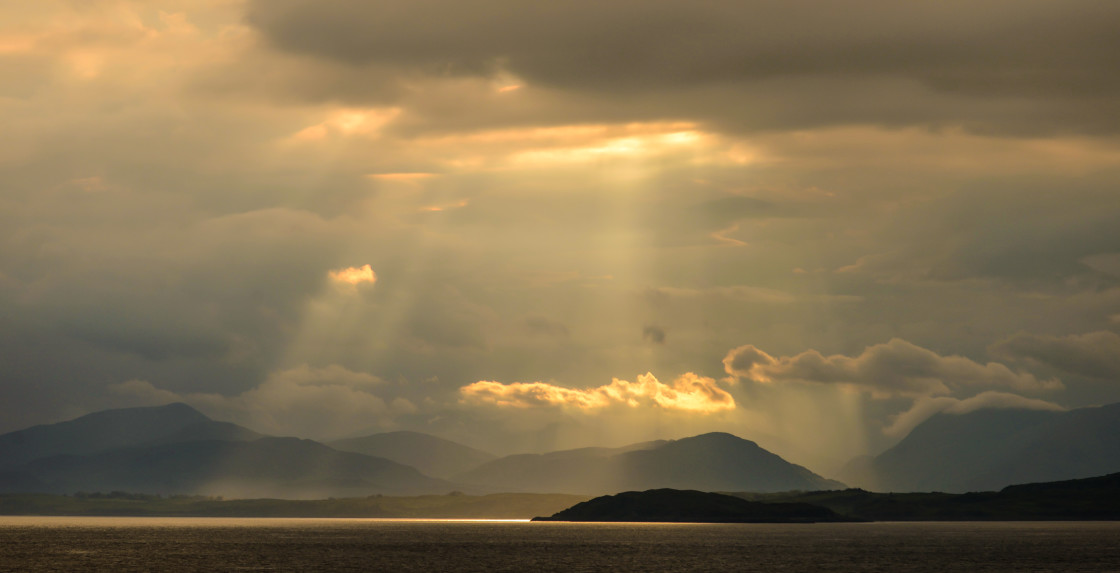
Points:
213	544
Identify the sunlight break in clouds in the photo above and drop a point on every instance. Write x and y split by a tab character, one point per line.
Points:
354	275
689	392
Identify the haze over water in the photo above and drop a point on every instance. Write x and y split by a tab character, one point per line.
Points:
186	544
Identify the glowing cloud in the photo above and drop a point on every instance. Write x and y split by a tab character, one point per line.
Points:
688	392
400	176
354	275
348	122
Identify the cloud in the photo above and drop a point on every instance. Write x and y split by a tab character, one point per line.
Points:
354	275
654	334
743	293
894	368
880	61
688	392
925	408
324	403
1094	355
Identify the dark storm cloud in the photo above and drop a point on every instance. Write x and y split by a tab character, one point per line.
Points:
1048	64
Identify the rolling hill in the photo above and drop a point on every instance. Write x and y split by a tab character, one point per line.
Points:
715	461
175	449
111	429
268	467
429	454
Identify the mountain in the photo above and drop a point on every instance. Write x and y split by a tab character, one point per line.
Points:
429	454
267	467
711	462
111	429
1096	498
687	506
175	449
991	449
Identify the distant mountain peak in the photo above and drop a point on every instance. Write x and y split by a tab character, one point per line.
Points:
716	437
992	448
715	461
110	429
177	409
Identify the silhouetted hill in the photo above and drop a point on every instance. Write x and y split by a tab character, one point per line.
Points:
715	461
429	454
688	506
112	429
268	467
990	449
1095	498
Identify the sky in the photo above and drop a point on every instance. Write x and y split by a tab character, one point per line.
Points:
528	226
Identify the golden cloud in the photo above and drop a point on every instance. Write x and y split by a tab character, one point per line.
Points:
688	392
354	275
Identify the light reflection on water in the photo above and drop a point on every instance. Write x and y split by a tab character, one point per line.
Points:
104	521
283	544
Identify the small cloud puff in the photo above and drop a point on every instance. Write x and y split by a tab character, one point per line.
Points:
354	275
654	334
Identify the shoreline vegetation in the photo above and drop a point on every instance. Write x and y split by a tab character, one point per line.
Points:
1074	500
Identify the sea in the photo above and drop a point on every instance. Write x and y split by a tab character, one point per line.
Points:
263	544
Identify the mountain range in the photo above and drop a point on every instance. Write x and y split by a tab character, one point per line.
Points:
990	449
111	429
175	449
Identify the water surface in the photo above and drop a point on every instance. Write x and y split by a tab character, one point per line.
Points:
256	544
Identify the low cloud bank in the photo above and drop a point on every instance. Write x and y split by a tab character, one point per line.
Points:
894	368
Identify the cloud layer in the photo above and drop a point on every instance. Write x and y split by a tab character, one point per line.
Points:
1010	66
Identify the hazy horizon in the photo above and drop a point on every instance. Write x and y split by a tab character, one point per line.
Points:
539	227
